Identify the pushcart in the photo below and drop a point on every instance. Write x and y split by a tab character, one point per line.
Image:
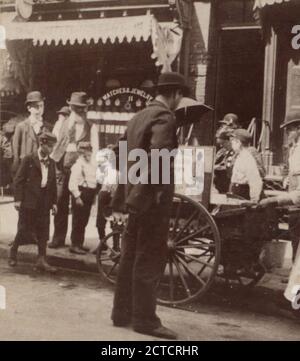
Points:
217	237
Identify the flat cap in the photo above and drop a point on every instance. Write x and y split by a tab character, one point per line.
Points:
46	137
84	146
242	134
231	120
292	118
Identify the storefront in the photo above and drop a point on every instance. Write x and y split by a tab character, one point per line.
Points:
282	81
97	49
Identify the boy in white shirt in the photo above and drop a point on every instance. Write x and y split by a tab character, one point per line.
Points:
82	186
246	181
107	177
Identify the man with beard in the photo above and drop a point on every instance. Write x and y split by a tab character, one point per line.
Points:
144	242
73	130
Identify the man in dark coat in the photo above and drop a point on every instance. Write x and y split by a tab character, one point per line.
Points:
144	243
25	139
35	196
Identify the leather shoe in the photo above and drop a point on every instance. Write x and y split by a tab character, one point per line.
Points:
161	332
121	322
77	250
55	245
43	266
85	249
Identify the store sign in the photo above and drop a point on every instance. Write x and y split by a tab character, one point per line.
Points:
124	99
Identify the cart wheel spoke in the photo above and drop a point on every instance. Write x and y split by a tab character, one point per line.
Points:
112	268
194	259
193	235
177	217
188	222
189	271
181	276
171	280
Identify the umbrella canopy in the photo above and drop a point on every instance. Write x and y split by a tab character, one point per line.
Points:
190	111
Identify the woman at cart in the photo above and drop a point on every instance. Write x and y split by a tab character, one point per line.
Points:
292	126
246	181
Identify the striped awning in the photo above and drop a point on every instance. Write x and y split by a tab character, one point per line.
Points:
259	4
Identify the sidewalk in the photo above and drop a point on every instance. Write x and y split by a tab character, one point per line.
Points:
64	259
57	257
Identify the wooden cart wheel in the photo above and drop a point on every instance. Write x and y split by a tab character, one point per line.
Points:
108	256
194	249
246	278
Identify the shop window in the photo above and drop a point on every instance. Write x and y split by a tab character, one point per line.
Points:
235	12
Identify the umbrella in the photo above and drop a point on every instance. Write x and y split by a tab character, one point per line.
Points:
190	111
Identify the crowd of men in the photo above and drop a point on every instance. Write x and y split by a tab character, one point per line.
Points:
55	168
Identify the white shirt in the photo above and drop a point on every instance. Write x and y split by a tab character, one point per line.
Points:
36	125
245	171
44	170
79	127
83	174
57	127
107	176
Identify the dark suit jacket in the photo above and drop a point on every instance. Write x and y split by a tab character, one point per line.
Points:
152	128
25	140
27	182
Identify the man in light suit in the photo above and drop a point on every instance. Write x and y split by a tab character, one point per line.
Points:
74	129
25	139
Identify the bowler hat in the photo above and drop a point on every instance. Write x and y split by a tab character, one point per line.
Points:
172	79
64	110
230	119
79	99
33	97
291	118
84	146
46	137
242	134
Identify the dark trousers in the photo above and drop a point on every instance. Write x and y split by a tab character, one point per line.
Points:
104	199
63	201
33	227
240	190
143	259
81	215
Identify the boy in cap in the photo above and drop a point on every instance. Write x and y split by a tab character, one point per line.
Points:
224	162
35	195
25	139
246	181
82	186
107	178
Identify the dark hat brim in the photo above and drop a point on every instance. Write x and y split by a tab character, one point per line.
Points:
289	122
190	111
62	112
69	102
34	101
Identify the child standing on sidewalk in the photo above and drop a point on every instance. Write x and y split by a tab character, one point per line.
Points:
107	178
35	194
82	186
